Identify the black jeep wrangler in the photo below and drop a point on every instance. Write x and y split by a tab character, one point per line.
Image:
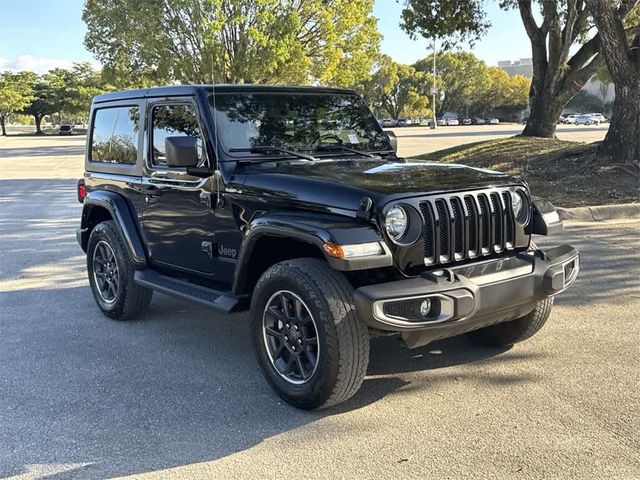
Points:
292	203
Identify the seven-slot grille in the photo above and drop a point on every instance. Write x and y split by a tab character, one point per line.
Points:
467	225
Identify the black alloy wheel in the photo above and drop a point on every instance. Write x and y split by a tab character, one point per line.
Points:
290	337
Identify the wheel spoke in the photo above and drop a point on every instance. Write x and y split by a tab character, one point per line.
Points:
312	341
299	308
275	313
303	371
273	332
279	351
286	306
290	364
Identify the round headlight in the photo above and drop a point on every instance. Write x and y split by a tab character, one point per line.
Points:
396	222
519	205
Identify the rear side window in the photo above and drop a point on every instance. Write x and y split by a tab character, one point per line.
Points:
173	120
114	138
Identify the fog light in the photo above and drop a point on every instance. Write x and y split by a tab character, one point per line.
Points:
425	308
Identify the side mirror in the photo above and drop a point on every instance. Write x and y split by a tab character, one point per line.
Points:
181	151
393	140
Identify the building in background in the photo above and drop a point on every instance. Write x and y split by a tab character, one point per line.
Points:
524	66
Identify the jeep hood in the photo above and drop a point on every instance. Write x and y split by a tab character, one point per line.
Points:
343	183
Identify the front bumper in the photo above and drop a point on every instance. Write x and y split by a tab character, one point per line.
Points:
468	297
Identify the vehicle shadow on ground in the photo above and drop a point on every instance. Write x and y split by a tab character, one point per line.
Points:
179	386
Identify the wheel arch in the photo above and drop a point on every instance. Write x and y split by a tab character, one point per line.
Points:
100	206
276	237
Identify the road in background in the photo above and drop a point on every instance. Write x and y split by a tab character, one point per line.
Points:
177	394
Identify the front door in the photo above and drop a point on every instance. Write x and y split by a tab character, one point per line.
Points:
179	220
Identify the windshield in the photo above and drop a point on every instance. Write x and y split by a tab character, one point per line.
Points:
295	121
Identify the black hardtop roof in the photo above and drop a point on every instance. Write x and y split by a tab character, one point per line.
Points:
184	90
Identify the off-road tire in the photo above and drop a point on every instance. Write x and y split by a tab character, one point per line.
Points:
131	299
343	339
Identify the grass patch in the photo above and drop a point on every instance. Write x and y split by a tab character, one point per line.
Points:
569	174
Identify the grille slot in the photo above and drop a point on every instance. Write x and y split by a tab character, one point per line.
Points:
445	232
429	232
509	225
460	227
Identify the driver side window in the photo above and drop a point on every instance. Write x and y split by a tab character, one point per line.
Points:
174	120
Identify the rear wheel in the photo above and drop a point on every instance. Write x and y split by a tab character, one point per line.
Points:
111	275
310	345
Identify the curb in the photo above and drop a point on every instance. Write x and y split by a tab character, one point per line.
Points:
600	212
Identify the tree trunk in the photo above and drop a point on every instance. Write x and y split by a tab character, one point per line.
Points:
622	142
543	118
557	77
38	119
4	131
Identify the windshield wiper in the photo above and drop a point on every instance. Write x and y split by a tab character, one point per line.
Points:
266	149
338	146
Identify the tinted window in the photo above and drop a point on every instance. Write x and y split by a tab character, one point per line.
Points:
296	121
115	135
173	121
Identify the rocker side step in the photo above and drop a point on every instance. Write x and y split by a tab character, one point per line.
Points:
216	299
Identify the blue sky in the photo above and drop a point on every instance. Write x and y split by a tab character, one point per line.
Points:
42	34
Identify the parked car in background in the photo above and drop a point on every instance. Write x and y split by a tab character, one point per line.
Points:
571	119
465	121
441	122
389	122
601	118
452	122
494	121
65	130
478	121
425	122
403	122
587	119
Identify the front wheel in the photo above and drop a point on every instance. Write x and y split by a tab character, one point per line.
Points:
310	345
507	333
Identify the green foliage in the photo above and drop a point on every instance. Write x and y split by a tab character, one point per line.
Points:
462	76
502	92
587	103
397	90
145	42
455	21
16	92
67	93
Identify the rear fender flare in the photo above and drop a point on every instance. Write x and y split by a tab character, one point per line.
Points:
121	214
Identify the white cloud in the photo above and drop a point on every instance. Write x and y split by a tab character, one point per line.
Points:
36	64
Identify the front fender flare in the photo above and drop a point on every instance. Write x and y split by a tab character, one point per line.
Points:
121	214
315	229
546	220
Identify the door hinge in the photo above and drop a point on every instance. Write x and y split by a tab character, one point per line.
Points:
205	199
207	247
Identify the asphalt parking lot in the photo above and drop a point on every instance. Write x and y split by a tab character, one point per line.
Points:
178	394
